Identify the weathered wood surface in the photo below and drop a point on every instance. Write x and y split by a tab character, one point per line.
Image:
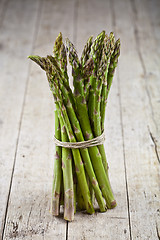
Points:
14	69
3	8
149	54
142	165
27	121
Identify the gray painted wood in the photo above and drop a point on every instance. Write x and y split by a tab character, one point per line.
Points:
3	7
27	119
147	37
16	41
142	166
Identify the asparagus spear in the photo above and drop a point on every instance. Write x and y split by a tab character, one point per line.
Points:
74	187
96	51
86	51
57	46
67	178
57	171
56	52
112	64
112	60
84	58
102	68
60	61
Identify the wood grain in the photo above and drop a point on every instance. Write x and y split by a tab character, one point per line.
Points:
27	121
141	161
3	8
149	46
14	47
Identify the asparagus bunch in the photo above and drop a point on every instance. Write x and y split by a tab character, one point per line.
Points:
79	174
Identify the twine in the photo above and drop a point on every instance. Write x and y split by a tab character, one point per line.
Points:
85	144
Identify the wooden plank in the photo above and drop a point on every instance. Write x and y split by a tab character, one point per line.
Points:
144	26
154	7
18	23
150	61
98	226
28	211
98	18
3	7
114	223
141	160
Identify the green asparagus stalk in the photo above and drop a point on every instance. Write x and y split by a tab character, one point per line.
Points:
63	64
57	46
60	55
86	51
96	51
112	64
80	200
98	86
112	60
57	171
56	52
74	187
67	178
84	58
102	68
60	61
109	73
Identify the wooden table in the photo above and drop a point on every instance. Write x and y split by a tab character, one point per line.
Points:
27	119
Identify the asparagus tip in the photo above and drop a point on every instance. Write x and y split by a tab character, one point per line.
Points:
57	45
37	59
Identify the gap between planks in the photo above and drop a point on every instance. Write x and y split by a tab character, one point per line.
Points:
155	144
67	230
21	115
124	156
